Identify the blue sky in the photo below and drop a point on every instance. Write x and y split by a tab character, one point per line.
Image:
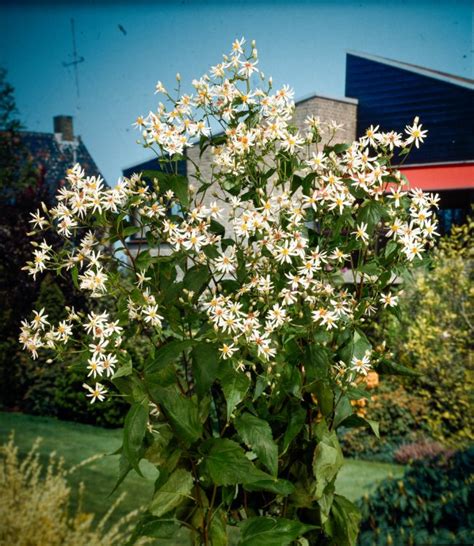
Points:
300	43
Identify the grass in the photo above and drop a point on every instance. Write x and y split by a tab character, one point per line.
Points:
76	442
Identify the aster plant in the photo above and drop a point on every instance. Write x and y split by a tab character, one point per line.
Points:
255	289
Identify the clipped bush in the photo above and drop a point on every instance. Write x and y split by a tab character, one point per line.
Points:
52	386
435	337
399	413
430	505
35	506
417	451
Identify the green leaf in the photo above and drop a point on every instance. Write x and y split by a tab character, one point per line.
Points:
361	344
130	230
150	526
124	469
297	417
370	268
134	433
327	461
325	503
168	354
343	410
226	464
205	365
318	363
124	370
196	278
172	493
257	434
182	412
388	367
344	521
356	421
217	228
265	531
235	385
325	397
75	276
269	483
174	182
370	213
218	529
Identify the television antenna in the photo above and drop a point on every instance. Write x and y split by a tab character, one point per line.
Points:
75	58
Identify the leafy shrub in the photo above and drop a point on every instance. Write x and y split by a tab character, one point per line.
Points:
423	449
431	335
52	387
399	413
35	506
258	347
430	505
435	337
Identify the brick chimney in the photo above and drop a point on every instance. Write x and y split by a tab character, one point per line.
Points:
63	126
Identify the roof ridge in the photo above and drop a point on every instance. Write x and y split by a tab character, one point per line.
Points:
430	72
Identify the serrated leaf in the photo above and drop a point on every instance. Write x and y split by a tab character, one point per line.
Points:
218	529
124	370
226	464
172	493
124	468
343	410
360	344
265	531
343	523
370	213
257	435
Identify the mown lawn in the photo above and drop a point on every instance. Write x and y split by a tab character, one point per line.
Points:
76	442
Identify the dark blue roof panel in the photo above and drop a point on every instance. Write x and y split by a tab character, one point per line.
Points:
391	96
152	165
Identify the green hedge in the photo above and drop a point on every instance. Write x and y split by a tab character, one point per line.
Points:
430	505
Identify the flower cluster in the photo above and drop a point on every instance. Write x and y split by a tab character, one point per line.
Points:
309	230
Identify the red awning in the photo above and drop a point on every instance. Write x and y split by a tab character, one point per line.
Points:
441	177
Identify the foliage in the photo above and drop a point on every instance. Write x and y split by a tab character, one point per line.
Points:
15	172
40	386
430	505
435	337
35	506
417	451
400	414
257	348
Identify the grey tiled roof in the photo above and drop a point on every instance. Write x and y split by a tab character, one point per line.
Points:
53	158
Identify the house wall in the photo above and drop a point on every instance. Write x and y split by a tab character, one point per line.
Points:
327	109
